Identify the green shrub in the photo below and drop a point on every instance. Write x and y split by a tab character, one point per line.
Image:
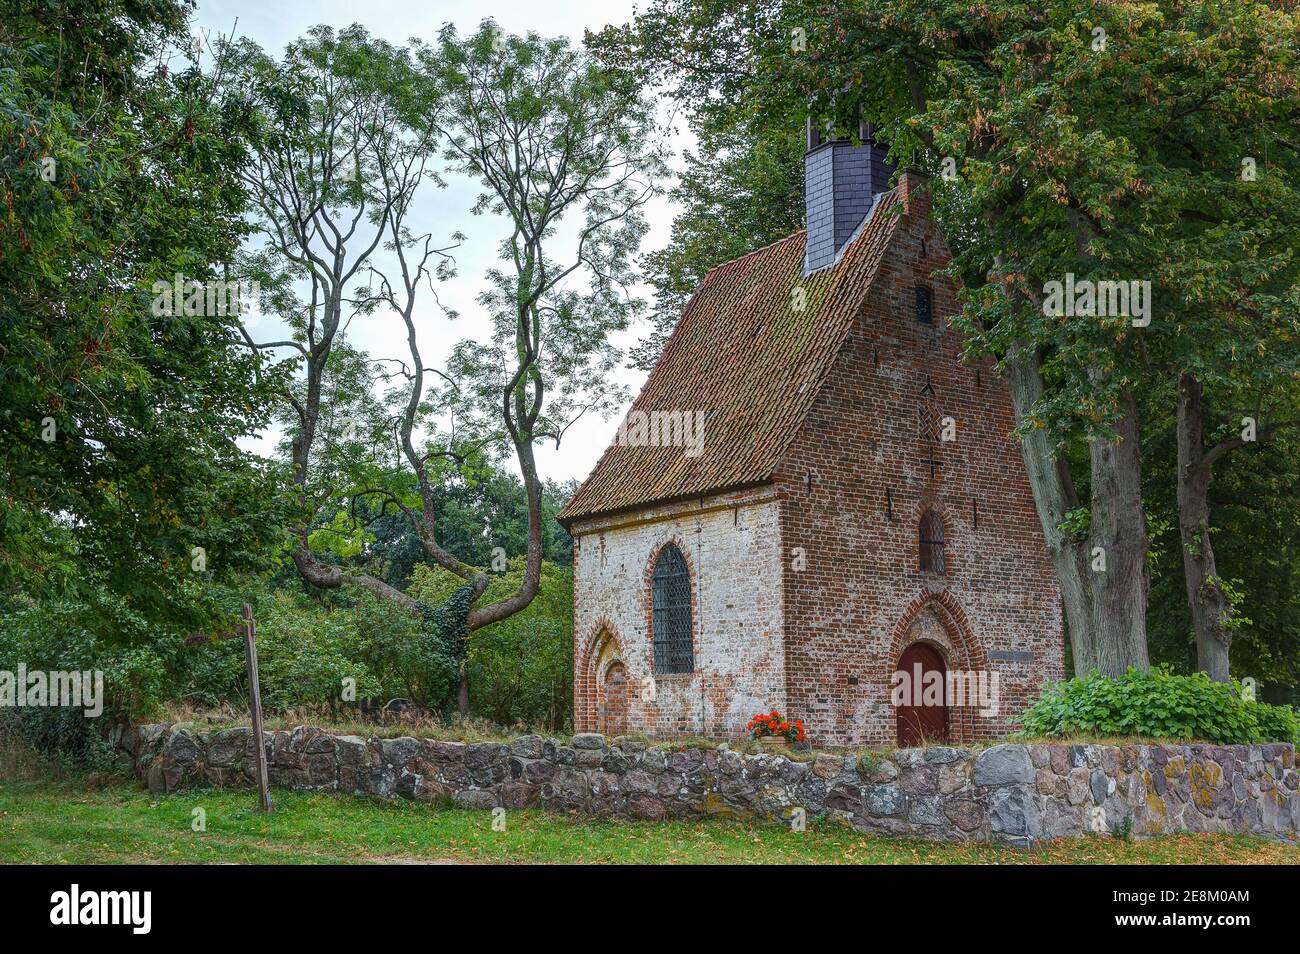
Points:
64	737
100	633
304	653
1277	723
1158	704
521	668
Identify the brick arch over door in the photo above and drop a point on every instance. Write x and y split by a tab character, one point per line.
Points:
955	641
601	649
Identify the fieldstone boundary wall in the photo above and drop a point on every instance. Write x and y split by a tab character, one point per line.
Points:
1011	793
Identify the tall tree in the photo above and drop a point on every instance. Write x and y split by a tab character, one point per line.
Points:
1223	173
120	417
557	143
742	183
335	178
348	129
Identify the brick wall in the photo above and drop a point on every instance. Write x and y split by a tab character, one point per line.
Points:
860	454
732	545
806	592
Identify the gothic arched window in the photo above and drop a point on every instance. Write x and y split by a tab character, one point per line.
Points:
671	592
931	542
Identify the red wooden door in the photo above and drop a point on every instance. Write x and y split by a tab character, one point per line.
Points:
613	716
917	720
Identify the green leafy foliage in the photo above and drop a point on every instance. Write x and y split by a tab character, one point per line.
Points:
481	508
61	736
101	631
1158	704
304	654
1077	522
118	431
521	668
307	648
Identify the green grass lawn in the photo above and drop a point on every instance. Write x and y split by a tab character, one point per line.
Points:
67	822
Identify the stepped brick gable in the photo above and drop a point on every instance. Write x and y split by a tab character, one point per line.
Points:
810	489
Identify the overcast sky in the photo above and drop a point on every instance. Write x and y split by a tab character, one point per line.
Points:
275	23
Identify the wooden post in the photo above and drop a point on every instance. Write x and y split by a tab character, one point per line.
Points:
255	705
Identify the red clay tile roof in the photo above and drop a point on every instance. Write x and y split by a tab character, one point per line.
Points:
742	354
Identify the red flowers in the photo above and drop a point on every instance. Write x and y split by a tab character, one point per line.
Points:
776	725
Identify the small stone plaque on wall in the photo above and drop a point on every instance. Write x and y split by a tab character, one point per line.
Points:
1010	655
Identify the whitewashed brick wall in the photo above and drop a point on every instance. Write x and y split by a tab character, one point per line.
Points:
732	544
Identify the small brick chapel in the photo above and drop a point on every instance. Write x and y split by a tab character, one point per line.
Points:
854	504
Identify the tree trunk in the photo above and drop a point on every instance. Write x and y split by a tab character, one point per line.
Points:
1054	496
462	691
1105	610
1210	608
1120	590
332	577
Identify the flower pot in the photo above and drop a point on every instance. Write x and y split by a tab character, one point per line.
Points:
775	743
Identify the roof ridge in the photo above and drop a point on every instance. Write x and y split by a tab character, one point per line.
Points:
757	251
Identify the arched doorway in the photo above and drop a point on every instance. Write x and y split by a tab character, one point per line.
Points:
612	715
924	713
590	667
